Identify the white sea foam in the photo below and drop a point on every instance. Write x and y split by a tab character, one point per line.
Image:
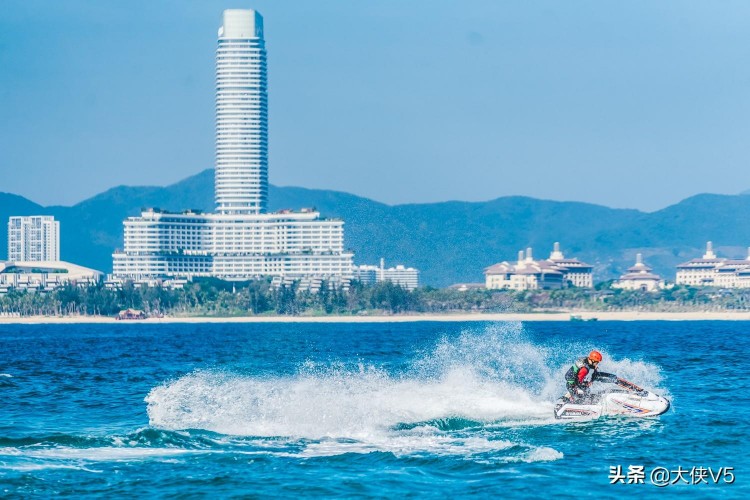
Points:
541	454
35	466
493	378
28	459
96	454
401	445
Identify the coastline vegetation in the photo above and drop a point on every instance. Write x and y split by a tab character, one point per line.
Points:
214	297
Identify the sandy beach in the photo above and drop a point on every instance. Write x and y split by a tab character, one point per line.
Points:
499	317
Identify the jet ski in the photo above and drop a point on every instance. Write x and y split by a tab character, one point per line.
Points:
625	398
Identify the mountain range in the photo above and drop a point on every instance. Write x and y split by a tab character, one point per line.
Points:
448	242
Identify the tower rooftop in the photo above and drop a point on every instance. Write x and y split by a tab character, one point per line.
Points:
241	23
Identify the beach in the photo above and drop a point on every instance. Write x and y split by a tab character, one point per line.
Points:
402	318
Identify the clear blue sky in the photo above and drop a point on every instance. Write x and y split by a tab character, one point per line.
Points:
627	104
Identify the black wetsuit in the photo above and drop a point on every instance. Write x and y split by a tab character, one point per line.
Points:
575	377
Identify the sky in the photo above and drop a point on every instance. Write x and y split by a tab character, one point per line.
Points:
635	104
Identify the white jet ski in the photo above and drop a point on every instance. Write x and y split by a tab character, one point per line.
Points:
624	399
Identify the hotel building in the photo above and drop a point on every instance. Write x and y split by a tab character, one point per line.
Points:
711	270
33	239
529	274
575	273
406	277
241	240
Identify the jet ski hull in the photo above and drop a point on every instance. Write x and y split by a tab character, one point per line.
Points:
631	404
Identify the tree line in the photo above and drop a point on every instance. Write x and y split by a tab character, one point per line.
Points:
214	297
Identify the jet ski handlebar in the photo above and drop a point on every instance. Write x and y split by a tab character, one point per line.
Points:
606	377
614	379
631	387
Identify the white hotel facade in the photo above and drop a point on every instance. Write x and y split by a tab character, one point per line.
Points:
406	277
241	240
711	270
526	273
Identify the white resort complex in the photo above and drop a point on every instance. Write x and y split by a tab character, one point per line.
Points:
529	274
241	240
711	270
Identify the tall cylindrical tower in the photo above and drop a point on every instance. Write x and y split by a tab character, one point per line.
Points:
241	115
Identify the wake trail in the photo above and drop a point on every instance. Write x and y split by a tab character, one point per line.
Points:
492	377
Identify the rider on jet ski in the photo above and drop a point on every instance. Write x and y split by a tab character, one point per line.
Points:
577	379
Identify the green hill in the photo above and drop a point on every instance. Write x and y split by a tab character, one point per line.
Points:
449	242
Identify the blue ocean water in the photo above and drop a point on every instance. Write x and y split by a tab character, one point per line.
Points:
354	410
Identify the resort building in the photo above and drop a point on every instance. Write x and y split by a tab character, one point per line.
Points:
33	239
639	277
699	272
575	273
241	240
733	273
524	274
406	277
529	274
366	274
711	270
44	276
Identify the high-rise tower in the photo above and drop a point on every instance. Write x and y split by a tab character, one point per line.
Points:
241	115
34	238
241	240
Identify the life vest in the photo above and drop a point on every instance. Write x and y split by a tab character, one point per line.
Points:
571	376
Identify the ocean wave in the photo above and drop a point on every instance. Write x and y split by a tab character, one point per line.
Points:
145	437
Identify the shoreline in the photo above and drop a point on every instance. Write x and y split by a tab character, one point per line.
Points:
407	318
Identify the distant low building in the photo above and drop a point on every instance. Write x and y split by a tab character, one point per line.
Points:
116	283
711	270
307	284
130	314
366	274
529	274
639	277
465	287
407	277
45	275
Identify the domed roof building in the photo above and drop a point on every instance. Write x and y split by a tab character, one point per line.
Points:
639	277
529	274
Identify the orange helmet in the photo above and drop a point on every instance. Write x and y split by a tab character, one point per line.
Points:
595	356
